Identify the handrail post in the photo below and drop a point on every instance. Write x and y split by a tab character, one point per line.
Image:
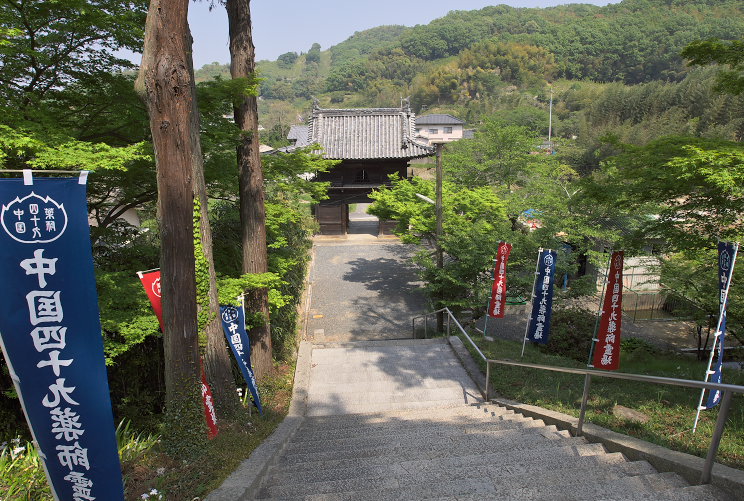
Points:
426	327
488	380
723	413
413	328
584	398
448	323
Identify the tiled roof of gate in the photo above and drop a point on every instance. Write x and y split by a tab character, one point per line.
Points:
366	133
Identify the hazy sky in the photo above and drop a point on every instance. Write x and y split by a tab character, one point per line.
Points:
282	26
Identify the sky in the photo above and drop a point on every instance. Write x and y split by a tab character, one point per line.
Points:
281	26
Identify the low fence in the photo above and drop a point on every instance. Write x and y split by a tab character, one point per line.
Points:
658	305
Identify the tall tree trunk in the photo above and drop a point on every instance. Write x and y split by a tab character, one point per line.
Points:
217	364
166	84
252	211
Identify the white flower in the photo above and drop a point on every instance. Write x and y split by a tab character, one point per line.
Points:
160	471
240	392
145	496
17	451
154	492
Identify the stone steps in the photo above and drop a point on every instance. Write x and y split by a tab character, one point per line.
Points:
466	452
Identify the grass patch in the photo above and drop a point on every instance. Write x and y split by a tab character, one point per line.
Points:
154	470
148	472
671	409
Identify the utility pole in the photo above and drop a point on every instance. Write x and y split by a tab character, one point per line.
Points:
438	208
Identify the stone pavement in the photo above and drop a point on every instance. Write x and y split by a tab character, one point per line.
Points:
362	288
374	376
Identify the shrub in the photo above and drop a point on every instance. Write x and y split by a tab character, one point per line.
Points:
571	333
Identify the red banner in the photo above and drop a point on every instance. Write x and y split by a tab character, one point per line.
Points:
209	412
151	282
498	291
607	349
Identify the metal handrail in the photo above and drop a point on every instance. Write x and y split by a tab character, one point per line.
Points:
727	389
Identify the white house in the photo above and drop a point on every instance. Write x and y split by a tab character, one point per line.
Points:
439	128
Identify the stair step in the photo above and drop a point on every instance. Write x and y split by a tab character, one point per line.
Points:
439	448
331	424
689	493
416	434
567	453
462	426
324	408
440	469
536	484
428	441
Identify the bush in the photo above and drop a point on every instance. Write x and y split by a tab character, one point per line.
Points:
571	333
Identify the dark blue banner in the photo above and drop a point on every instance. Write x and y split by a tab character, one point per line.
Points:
542	302
726	257
233	325
51	334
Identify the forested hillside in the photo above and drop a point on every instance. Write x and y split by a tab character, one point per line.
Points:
472	63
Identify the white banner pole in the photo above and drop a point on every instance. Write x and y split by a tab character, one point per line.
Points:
721	314
532	302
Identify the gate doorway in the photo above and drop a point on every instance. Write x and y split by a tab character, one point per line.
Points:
361	223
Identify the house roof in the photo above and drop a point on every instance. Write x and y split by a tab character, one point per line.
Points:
438	119
299	134
366	133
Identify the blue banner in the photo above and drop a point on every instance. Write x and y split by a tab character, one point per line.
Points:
726	254
233	325
51	334
542	302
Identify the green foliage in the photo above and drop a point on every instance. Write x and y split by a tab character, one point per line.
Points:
184	429
570	333
474	221
313	55
203	281
499	154
287	59
691	189
47	45
133	444
127	318
730	53
289	175
22	473
365	42
210	71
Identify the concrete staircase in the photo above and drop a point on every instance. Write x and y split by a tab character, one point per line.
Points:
462	452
